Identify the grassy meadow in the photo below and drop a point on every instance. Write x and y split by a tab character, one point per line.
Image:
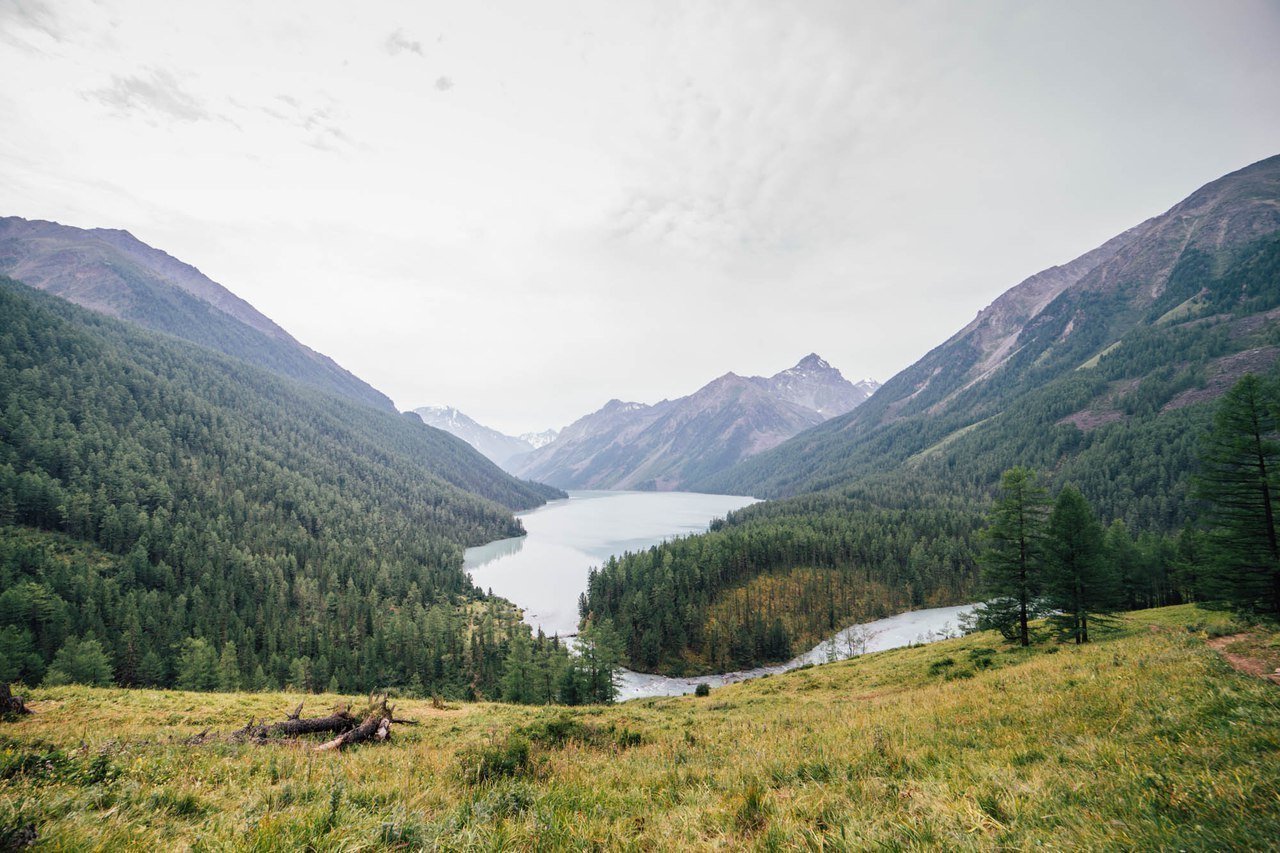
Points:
1144	739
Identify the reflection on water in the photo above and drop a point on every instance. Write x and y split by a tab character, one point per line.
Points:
545	571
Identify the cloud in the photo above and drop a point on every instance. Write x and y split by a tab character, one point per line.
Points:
398	42
320	124
444	84
760	118
30	15
155	93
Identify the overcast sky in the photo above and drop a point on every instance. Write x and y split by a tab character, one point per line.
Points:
524	209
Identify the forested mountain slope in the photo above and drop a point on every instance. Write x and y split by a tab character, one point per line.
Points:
1102	374
1090	366
114	273
161	492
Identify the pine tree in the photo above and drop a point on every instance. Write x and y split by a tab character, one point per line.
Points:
1013	556
197	665
1080	583
518	674
228	668
599	658
1239	479
80	662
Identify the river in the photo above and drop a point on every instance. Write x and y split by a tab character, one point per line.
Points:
545	571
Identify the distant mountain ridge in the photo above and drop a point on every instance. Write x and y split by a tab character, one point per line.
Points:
499	447
112	272
1086	369
628	445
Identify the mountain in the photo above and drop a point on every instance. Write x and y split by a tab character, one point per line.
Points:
672	443
1091	369
114	273
156	494
814	384
498	447
1102	373
539	439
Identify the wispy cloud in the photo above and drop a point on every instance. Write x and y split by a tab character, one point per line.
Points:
31	16
320	124
398	42
759	120
155	93
444	84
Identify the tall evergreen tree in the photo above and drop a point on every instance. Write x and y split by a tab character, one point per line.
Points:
1013	556
518	678
1239	478
598	661
228	668
1080	583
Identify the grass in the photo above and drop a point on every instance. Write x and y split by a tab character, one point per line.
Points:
1145	739
1093	362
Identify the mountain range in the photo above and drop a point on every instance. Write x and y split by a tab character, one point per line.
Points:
666	446
114	273
497	446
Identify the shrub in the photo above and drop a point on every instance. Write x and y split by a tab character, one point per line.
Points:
510	758
941	664
703	689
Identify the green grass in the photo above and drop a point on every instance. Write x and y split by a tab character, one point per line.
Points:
1093	362
1145	739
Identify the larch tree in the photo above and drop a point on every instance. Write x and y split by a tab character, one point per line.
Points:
1238	479
1080	582
1012	558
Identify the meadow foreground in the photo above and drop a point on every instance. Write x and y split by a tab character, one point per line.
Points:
1145	739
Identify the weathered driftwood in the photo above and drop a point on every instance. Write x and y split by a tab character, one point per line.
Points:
10	704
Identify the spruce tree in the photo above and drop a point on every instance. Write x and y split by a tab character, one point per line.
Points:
1239	477
1013	556
1080	583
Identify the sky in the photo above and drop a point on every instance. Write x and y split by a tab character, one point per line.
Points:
524	209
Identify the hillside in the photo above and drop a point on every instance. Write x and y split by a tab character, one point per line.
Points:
1076	368
1103	374
498	447
161	492
114	273
673	443
1144	740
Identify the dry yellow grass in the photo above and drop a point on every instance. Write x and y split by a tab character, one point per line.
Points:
1146	739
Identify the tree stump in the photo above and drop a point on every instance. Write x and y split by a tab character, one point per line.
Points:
10	704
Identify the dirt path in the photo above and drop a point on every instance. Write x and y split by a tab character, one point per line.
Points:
1235	650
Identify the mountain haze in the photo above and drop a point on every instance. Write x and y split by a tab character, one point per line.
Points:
498	447
114	273
666	446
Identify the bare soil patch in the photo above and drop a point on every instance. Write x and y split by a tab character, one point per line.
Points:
1250	654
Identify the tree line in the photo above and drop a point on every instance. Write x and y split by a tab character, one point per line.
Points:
1059	563
171	516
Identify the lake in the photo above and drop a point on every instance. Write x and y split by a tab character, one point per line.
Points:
545	571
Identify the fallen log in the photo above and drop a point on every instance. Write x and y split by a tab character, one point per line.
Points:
10	704
295	725
376	727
